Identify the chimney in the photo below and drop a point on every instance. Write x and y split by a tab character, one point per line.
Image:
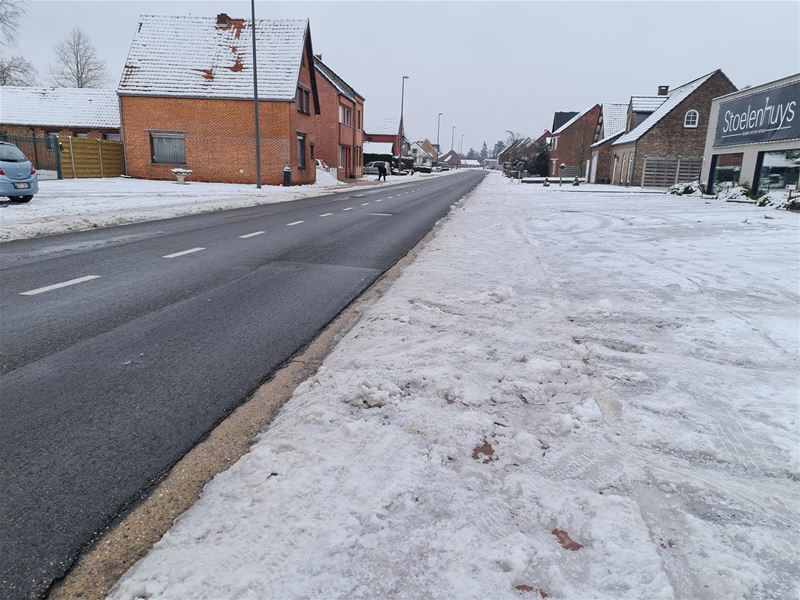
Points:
223	20
663	90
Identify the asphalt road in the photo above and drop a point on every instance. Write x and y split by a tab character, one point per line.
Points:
160	331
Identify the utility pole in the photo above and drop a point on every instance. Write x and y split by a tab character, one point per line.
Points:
255	93
402	99
438	126
452	138
461	144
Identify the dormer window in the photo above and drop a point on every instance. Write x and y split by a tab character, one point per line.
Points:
691	119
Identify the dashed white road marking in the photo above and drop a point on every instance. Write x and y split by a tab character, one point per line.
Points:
364	203
379	200
326	214
348	208
381	214
55	286
249	235
294	223
183	252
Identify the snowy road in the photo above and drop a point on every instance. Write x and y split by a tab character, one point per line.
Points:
567	395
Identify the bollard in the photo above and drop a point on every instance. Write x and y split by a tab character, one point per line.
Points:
287	176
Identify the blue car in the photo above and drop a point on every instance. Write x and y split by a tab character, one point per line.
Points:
18	179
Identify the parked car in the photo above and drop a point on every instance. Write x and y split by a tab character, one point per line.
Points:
371	168
18	179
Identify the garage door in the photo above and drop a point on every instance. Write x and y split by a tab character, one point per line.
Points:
664	171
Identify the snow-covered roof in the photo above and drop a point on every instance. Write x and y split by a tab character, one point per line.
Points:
59	107
607	138
646	103
615	117
421	149
195	57
377	148
674	98
470	162
572	120
341	86
378	122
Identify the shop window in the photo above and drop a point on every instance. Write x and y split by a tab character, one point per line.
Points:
168	148
691	119
727	171
778	169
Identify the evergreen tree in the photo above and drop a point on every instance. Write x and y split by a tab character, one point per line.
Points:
484	151
498	148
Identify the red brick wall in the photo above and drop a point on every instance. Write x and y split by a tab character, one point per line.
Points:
573	146
669	137
330	134
604	161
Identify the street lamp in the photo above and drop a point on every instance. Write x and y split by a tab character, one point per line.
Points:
255	93
452	138
438	126
402	99
461	144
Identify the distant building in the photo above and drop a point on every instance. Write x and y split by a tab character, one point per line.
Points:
385	126
490	163
613	119
429	148
667	146
571	143
340	128
186	99
421	156
753	137
469	163
450	158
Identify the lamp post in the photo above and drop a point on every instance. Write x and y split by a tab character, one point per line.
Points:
461	144
402	99
438	127
255	93
452	138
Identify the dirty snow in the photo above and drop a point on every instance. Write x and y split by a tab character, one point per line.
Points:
78	204
566	395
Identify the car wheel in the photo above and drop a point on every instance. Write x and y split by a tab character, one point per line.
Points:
21	198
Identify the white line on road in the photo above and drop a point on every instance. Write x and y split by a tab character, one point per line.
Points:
55	286
294	223
381	214
364	203
348	208
183	252
249	235
379	200
326	214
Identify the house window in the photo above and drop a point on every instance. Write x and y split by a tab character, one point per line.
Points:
358	119
691	118
345	115
301	150
303	101
168	148
82	135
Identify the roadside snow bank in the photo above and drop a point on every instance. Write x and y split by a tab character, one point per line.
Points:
591	398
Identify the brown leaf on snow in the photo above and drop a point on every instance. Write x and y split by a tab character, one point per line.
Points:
566	542
485	452
523	587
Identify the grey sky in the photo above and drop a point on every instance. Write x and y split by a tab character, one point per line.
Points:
488	66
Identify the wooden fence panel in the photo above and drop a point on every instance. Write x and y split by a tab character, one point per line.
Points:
84	157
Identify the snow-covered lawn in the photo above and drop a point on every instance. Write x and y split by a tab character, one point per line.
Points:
78	204
566	395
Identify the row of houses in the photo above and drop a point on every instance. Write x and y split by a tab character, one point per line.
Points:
185	99
652	140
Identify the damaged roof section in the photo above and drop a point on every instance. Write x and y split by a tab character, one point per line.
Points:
182	56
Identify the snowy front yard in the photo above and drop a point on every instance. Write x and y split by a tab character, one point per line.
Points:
79	204
567	395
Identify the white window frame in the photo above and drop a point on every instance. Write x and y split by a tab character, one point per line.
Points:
166	135
691	114
345	115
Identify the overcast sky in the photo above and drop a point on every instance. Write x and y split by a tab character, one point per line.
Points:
488	66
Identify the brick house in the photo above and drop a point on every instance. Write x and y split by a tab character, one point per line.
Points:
450	158
571	143
430	148
386	127
667	146
613	119
40	112
186	99
339	131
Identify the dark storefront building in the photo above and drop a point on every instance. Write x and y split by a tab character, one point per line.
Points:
754	137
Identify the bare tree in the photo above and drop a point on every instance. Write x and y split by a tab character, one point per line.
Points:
77	62
11	11
16	70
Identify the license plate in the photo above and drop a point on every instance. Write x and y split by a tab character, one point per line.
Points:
22	186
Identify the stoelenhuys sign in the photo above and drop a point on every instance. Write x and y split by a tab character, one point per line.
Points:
768	116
